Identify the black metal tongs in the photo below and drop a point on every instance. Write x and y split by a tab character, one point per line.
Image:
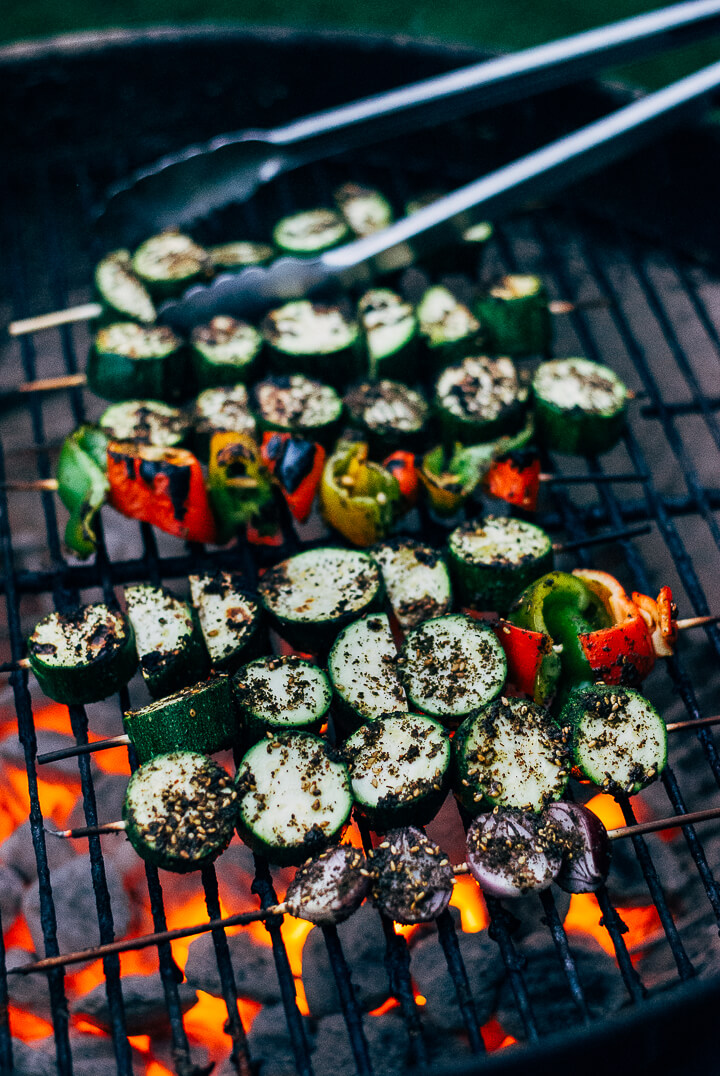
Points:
184	187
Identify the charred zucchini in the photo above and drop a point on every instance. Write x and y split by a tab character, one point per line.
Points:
416	578
390	334
448	329
147	421
277	693
230	619
516	316
580	406
169	263
220	410
200	718
310	232
121	292
363	669
298	405
169	640
131	361
239	254
313	339
480	399
388	414
365	209
223	351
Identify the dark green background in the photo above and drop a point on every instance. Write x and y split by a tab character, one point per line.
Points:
505	24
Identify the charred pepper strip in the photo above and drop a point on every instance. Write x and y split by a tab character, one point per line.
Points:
239	485
515	478
162	486
82	486
297	467
358	498
403	467
622	653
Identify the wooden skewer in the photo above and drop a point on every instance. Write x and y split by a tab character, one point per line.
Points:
697	622
576	479
35	485
84	312
123	740
242	918
88	831
565	306
599	539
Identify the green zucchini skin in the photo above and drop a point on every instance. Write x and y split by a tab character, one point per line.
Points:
121	292
100	655
417	580
261	709
180	811
516	316
448	330
117	369
313	339
365	209
294	797
300	406
380	754
310	232
224	352
619	738
580	406
362	666
510	753
325	573
200	718
169	263
390	335
388	414
450	666
480	399
223	409
490	577
165	669
231	620
147	421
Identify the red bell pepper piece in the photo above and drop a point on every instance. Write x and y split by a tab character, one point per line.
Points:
660	615
515	479
623	653
162	486
297	466
402	466
525	651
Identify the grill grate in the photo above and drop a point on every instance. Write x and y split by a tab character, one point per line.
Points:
657	303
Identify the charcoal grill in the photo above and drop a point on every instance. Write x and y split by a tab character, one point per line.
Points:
82	112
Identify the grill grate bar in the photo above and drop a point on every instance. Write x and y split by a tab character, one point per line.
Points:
348	1001
447	935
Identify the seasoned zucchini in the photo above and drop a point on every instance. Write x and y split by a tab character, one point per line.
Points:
450	666
363	669
387	413
220	410
448	328
297	404
83	656
516	316
223	351
199	718
619	738
511	754
580	406
131	361
122	294
239	254
365	210
417	581
493	559
294	797
230	619
276	693
313	339
169	263
180	811
480	399
147	421
399	769
168	637
390	332
310	232
314	594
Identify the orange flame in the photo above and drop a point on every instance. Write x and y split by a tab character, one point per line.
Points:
469	900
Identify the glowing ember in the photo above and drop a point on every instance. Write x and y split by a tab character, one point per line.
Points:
469	900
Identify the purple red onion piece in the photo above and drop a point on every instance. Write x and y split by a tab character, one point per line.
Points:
584	844
412	877
328	888
511	852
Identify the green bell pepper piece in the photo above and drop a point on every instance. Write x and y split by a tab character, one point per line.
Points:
239	485
83	485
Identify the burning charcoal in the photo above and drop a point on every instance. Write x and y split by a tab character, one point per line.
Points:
386	1038
269	1042
253	964
47	740
363	942
110	795
35	1060
485	971
144	1000
11	891
18	851
524	913
29	992
93	1054
626	883
77	920
549	991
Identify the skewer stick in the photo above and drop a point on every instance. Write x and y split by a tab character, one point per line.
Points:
88	831
15	666
697	622
565	306
123	740
85	312
573	479
34	485
599	539
242	918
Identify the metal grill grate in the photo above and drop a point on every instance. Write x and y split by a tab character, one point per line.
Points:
658	331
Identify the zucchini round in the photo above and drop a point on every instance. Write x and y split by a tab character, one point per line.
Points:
516	316
580	406
412	877
365	209
230	619
276	693
387	413
363	670
239	254
510	754
169	263
390	332
619	738
310	232
168	638
146	421
298	405
223	351
131	361
180	811
294	797
200	718
314	594
399	769
313	339
492	560
480	399
121	292
83	656
220	410
450	666
417	581
448	328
